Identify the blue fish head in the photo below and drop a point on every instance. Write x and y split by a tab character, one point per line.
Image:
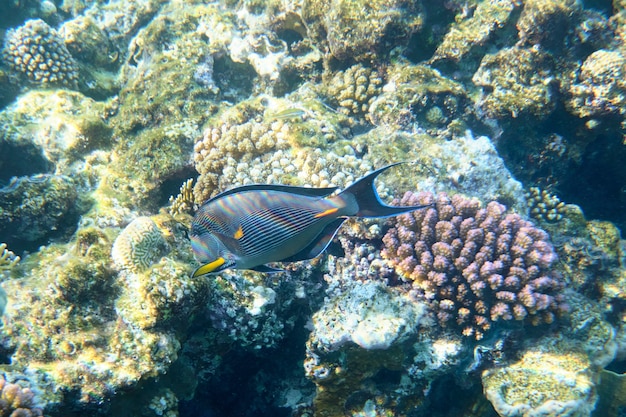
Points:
211	253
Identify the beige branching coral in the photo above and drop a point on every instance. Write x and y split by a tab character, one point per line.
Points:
16	401
184	201
354	89
8	259
225	144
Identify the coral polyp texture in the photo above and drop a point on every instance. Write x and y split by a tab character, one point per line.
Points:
545	206
477	265
139	245
38	52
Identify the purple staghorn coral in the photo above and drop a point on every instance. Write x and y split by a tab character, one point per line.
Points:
477	265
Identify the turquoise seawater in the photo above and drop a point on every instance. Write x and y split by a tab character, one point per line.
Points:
504	295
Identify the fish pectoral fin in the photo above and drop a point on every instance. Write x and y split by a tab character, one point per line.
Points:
319	244
231	242
216	266
266	269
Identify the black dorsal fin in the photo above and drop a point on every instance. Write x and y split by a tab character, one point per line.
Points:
307	191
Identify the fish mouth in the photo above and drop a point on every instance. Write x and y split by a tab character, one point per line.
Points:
213	267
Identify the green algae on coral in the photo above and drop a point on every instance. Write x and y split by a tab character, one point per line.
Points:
516	82
601	89
542	383
82	335
361	31
65	125
38	207
545	23
411	92
471	32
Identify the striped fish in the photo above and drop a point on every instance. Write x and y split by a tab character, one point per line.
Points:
250	226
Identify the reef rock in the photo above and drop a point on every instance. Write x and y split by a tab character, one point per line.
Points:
369	315
542	384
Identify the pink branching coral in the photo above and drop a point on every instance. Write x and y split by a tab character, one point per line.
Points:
477	265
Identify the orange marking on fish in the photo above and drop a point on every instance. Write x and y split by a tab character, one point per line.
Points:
326	213
239	233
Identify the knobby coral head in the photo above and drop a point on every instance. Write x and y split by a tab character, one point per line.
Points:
476	265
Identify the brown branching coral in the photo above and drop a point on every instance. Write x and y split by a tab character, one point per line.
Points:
16	401
354	89
477	265
36	51
229	142
184	201
545	206
8	259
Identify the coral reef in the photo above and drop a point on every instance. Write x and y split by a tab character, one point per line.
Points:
247	311
545	23
161	296
542	383
88	43
375	26
411	93
516	82
474	30
139	245
369	316
231	141
247	144
355	335
545	206
63	126
102	314
16	401
184	200
590	332
354	89
36	51
95	330
476	265
600	89
154	259
33	208
7	258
